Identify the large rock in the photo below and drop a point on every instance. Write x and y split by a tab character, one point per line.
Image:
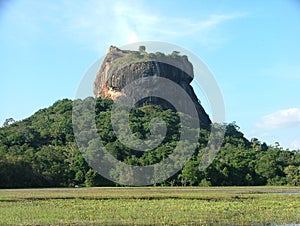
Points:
122	67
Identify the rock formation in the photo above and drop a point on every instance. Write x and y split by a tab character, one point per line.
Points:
122	67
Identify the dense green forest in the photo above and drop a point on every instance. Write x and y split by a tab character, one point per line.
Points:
41	151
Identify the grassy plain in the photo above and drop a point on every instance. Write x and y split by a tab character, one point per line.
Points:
151	206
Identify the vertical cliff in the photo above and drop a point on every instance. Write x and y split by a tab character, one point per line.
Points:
122	67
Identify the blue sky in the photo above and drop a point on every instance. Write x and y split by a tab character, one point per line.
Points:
251	47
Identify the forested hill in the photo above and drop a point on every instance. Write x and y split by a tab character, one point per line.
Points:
40	151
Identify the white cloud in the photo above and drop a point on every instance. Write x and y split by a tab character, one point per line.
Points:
98	24
280	119
120	22
295	145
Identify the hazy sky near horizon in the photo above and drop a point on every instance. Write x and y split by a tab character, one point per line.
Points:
252	48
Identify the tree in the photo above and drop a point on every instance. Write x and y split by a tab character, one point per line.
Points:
293	175
8	122
40	151
190	173
90	178
142	48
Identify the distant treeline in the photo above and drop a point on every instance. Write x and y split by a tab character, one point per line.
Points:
41	151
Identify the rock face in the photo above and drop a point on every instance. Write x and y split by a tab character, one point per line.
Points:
122	67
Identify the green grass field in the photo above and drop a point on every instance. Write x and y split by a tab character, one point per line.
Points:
149	206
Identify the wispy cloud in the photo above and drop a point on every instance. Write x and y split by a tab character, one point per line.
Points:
123	22
100	23
280	119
